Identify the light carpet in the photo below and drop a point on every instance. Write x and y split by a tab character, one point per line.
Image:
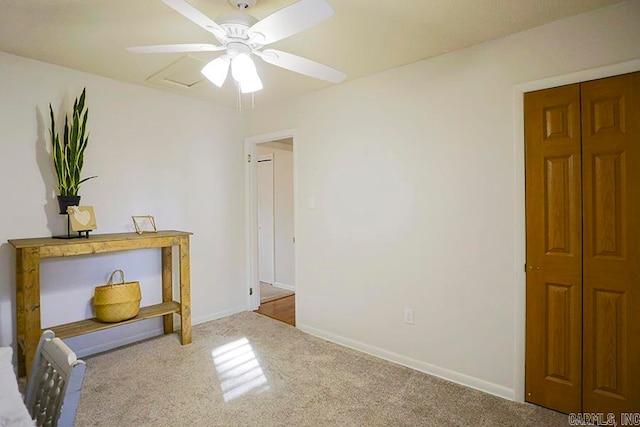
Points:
268	292
249	370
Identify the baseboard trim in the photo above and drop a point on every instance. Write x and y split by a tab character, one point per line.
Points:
217	315
284	286
453	376
110	345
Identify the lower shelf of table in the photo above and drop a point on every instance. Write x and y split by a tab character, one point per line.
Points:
92	325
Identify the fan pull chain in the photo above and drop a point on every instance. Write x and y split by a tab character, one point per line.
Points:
239	99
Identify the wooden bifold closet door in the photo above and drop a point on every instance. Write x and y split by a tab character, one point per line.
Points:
583	246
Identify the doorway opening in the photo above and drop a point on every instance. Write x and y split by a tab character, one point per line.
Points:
271	225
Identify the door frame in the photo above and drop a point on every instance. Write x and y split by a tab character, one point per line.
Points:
251	211
519	217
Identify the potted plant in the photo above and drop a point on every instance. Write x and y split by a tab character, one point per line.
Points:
68	153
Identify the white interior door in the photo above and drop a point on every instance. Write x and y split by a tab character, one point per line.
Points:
283	219
266	242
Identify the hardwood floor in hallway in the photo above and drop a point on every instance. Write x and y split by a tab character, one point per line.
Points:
282	309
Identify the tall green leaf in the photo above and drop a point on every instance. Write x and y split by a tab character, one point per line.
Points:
68	152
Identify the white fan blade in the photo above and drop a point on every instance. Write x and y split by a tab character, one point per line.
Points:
169	48
193	14
290	20
301	65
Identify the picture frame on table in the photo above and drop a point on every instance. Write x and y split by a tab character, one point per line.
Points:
144	224
82	218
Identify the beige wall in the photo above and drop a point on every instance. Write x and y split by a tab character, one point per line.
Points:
413	172
154	153
414	175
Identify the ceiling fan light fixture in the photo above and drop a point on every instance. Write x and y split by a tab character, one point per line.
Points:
251	85
244	72
217	70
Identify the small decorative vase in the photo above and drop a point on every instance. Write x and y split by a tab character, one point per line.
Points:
65	201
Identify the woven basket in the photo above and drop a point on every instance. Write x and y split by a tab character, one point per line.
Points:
115	302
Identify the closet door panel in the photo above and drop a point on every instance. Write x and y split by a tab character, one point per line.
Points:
554	248
611	241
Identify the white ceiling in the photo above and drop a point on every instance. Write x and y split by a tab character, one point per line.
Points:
362	38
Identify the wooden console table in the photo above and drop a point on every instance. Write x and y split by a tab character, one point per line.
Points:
29	252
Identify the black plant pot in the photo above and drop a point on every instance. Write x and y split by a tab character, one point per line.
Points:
65	201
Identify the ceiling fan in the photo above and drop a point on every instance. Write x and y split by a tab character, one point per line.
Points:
241	36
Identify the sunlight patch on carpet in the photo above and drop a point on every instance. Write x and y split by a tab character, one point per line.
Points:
238	369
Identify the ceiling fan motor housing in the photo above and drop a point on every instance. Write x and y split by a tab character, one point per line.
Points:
242	4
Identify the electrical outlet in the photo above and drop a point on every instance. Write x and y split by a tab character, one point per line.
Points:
408	316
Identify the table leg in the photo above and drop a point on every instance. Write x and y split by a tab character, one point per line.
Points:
30	289
167	286
20	314
185	291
